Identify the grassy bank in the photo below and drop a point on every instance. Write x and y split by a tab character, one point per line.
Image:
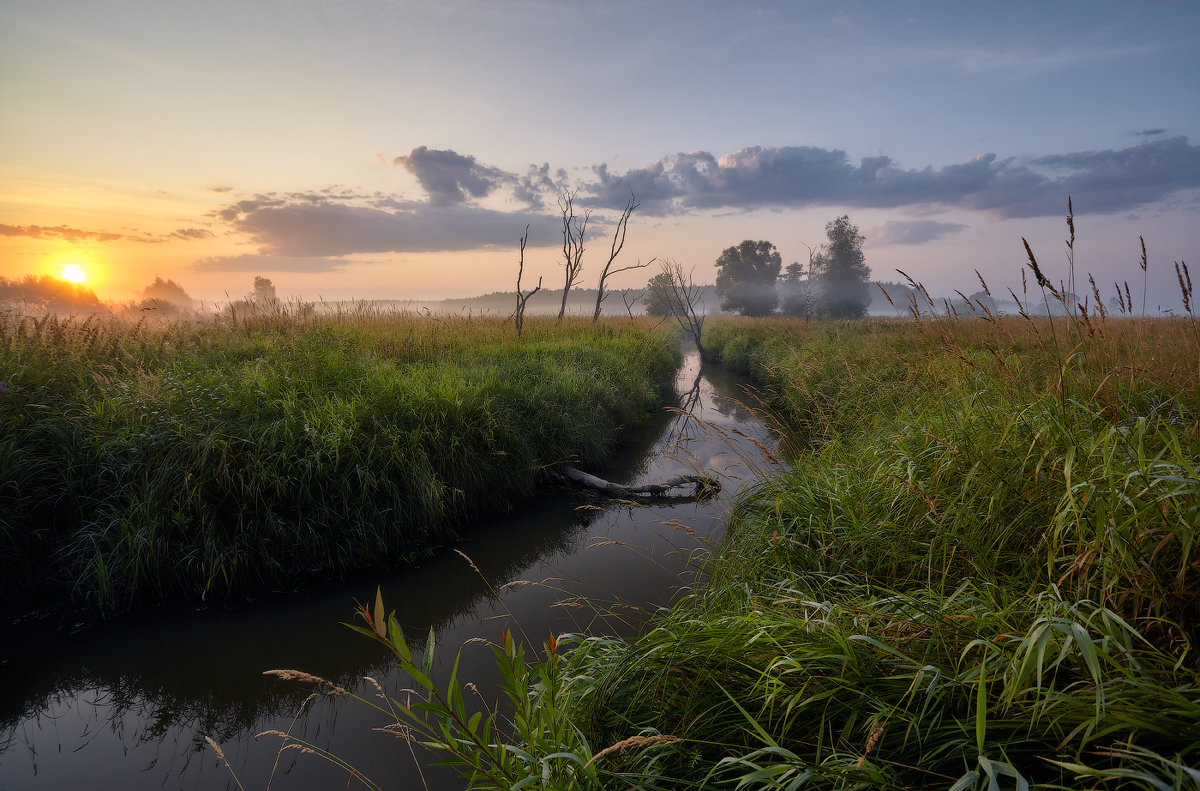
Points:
193	459
980	570
982	564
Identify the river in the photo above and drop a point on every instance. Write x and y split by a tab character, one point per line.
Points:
126	704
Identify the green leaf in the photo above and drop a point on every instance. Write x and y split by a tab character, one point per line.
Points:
427	660
981	709
380	625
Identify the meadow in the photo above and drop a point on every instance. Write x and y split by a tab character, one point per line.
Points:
978	569
195	459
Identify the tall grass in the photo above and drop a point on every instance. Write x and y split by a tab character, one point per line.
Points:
979	570
981	564
146	461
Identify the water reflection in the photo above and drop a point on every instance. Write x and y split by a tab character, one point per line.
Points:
126	704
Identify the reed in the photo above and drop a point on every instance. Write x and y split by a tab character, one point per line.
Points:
249	451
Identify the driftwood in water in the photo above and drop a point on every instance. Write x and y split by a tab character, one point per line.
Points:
703	485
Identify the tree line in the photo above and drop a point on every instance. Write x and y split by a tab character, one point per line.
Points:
752	281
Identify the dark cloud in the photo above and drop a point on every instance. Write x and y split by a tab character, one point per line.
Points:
891	232
243	207
531	188
305	232
70	234
449	177
1151	132
192	233
1119	180
220	189
1102	181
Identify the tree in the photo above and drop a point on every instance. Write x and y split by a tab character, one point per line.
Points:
746	278
166	296
842	272
617	243
264	290
660	296
46	294
574	229
796	289
673	293
523	297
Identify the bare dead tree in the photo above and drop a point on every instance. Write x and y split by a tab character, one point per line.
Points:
617	243
809	296
522	299
629	303
574	229
683	298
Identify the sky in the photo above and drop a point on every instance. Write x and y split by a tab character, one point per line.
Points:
398	149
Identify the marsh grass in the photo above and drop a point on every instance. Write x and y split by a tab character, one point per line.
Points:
143	461
980	567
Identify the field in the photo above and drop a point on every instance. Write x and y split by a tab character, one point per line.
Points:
979	570
140	462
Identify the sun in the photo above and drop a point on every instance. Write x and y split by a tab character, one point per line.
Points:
73	273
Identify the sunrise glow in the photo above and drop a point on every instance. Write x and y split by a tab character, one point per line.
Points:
73	273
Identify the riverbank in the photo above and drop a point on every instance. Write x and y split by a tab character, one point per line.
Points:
982	562
194	460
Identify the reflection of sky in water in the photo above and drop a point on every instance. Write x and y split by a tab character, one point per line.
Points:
126	705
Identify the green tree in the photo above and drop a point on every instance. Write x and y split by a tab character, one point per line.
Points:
841	271
746	276
660	297
796	291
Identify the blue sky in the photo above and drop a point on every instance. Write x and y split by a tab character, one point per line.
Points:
398	149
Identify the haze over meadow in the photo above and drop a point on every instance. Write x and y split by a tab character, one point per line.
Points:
398	149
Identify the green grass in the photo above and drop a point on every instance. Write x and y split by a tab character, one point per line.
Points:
978	570
981	563
194	459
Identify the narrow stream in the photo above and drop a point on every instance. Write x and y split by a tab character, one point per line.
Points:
127	704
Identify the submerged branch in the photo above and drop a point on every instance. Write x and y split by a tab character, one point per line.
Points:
704	485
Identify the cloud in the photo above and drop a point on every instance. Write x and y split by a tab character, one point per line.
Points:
799	176
259	262
530	188
191	233
1112	181
891	232
314	231
450	177
70	234
1151	132
307	232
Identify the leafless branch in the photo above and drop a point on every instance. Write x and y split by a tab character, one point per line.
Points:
522	299
618	242
574	229
684	300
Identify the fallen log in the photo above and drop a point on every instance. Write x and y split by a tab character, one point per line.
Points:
704	485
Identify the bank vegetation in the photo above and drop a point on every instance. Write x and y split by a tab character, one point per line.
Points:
979	569
149	460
